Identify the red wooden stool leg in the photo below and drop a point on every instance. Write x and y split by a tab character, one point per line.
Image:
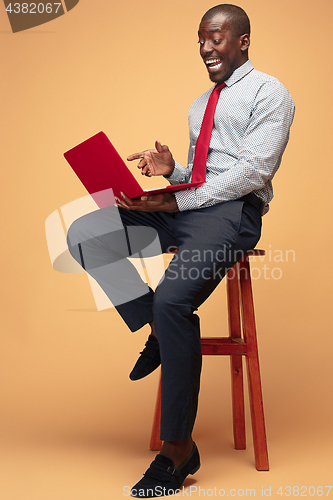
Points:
155	442
237	387
256	404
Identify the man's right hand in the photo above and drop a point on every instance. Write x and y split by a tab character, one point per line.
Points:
157	161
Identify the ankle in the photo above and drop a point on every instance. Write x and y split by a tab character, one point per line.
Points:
177	451
153	332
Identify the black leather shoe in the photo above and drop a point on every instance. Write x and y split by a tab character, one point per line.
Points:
148	361
163	479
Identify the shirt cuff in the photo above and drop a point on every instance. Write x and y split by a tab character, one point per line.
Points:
186	200
179	174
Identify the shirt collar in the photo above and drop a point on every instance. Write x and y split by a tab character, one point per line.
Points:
239	73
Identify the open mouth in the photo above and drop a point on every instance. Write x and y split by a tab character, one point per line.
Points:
213	64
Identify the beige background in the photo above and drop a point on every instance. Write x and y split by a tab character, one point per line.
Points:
72	424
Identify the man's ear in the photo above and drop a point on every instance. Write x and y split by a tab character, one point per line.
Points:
245	42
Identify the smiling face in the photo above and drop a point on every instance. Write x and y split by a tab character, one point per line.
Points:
221	51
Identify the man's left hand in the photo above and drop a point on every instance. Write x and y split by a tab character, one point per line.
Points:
163	202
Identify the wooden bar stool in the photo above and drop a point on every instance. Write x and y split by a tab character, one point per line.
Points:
241	320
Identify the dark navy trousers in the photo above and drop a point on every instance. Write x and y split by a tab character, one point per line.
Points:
209	241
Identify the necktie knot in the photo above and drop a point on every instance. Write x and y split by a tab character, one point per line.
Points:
218	88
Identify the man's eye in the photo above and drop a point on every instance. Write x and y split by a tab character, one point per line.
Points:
201	42
217	41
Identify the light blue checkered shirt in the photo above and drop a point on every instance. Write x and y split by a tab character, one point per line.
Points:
251	130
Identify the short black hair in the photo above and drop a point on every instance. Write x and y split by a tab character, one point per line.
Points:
239	21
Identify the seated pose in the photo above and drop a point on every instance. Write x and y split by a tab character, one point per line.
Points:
239	129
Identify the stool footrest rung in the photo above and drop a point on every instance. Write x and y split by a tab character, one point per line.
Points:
223	346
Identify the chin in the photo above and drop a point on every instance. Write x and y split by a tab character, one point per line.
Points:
217	78
214	78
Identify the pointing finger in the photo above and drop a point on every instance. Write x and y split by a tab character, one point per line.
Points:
136	156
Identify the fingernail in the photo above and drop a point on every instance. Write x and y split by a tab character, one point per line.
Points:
122	194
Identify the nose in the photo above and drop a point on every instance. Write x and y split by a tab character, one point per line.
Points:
206	48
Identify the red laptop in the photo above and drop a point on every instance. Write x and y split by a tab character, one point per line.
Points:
102	171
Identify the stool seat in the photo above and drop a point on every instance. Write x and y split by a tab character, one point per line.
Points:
242	341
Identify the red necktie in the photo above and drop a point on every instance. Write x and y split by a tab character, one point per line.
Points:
202	144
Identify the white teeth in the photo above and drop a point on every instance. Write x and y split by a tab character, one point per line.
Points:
212	61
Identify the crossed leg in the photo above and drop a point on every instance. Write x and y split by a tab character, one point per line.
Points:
209	242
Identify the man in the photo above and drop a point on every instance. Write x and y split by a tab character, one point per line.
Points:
251	126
